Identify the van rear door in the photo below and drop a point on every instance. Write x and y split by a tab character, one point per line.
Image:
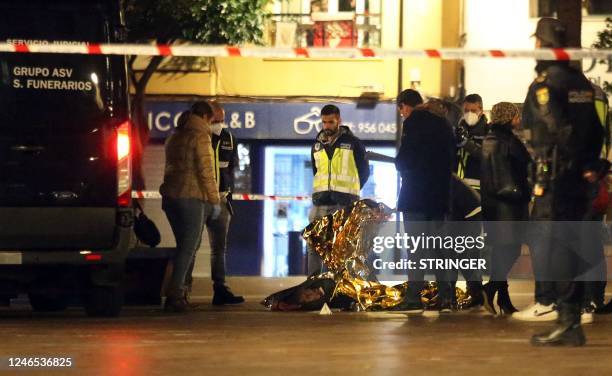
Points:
58	120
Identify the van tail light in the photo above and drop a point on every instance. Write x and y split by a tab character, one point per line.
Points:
93	257
124	165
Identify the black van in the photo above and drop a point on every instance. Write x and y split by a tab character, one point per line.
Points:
65	169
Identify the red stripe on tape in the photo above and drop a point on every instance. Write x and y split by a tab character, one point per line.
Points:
20	47
367	52
561	54
433	53
164	50
233	51
94	49
139	194
272	197
497	53
301	52
245	197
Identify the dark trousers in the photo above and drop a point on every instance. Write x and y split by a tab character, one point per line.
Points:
545	292
472	277
595	267
561	247
572	253
503	258
415	224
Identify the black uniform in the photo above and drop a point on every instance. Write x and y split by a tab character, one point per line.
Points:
566	137
226	158
469	155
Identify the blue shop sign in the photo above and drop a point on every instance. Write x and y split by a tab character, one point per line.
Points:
280	121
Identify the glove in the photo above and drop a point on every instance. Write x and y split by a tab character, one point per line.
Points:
461	136
216	211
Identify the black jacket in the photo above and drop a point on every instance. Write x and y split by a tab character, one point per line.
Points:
424	160
465	201
505	160
468	156
564	128
227	158
346	138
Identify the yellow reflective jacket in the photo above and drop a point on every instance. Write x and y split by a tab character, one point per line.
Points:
340	169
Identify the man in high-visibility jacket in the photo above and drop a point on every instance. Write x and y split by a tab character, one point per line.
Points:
340	171
470	132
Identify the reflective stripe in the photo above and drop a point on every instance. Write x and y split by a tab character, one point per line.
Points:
321	163
340	174
471	182
217	171
473	212
463	156
601	106
345	190
346	178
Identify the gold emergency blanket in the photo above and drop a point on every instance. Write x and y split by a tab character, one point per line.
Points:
338	239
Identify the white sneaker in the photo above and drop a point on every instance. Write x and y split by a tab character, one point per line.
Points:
537	312
586	317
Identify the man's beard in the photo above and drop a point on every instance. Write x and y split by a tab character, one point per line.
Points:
330	132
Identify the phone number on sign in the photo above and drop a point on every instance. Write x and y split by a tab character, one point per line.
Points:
39	362
375	128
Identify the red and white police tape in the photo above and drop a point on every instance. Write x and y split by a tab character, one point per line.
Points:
314	52
235	196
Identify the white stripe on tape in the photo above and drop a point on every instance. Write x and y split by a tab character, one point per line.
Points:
235	196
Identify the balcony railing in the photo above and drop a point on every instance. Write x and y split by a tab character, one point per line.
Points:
342	29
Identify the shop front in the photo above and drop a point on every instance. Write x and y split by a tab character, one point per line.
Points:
274	140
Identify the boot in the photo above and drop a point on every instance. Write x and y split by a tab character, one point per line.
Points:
567	331
223	296
488	294
503	300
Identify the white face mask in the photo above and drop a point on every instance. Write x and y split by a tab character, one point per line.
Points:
216	128
471	118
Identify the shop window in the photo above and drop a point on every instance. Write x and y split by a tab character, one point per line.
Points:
548	8
242	172
325	23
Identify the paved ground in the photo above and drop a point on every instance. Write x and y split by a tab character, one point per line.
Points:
248	340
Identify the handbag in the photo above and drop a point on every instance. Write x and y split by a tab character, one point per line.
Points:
145	229
497	173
